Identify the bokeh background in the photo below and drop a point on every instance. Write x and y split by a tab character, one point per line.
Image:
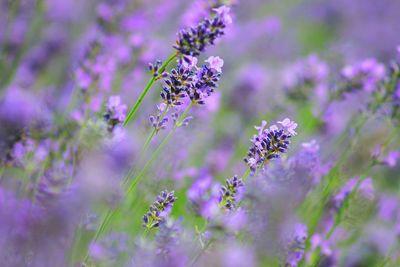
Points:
60	169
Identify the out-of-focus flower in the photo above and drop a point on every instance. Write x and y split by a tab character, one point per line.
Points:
235	220
296	246
109	248
318	241
116	112
388	208
305	78
234	255
365	187
364	75
204	195
392	158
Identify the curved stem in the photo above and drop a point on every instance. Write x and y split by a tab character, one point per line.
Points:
149	84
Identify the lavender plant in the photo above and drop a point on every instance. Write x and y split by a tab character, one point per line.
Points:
99	169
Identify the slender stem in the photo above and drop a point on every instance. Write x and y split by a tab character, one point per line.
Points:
34	31
183	116
246	174
144	149
112	213
244	177
107	219
146	233
159	149
194	260
150	161
153	132
2	168
148	140
134	109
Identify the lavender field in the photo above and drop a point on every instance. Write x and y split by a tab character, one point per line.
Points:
174	133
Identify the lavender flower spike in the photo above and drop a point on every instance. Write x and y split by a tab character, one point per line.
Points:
269	143
194	40
296	246
116	112
229	192
159	210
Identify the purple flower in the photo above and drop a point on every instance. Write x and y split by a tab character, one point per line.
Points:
194	40
159	210
223	12
269	143
105	12
188	62
216	63
235	255
235	220
318	241
199	187
154	68
204	195
230	193
115	113
365	187
364	75
388	208
184	82
305	77
177	84
158	123
296	245
392	158
204	84
312	147
289	126
397	93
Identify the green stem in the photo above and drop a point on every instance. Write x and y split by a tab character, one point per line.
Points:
159	149
2	168
194	260
144	149
112	213
246	174
244	177
153	132
34	31
134	109
150	161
